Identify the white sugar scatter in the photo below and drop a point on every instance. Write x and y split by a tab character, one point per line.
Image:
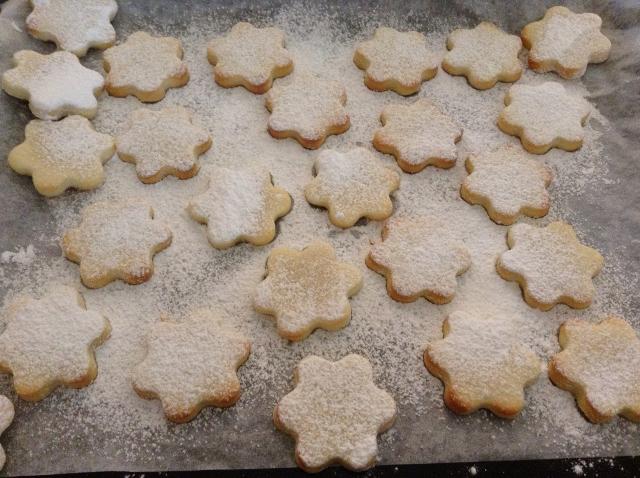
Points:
21	255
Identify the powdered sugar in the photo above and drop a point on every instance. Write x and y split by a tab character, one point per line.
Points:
22	256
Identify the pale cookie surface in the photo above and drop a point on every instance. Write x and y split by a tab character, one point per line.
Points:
162	143
482	364
62	154
190	365
335	413
116	240
551	265
544	117
600	365
145	67
7	413
55	85
419	257
565	42
240	206
74	25
250	57
352	185
507	182
308	289
418	135
397	61
50	342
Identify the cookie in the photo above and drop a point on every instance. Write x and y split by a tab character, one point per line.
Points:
482	364
6	417
116	240
507	183
306	290
397	61
484	54
308	109
51	341
565	42
352	185
250	57
190	365
550	265
600	365
335	413
418	135
419	257
544	117
145	67
240	205
62	154
55	85
162	143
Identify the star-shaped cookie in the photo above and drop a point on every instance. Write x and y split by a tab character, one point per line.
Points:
116	240
6	417
397	61
50	342
335	413
306	290
250	57
551	265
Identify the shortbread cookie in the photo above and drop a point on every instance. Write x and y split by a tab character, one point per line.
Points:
551	265
306	290
6	417
162	143
55	85
250	57
49	342
191	365
145	67
352	185
565	42
419	257
600	365
308	109
116	240
482	364
418	135
544	117
240	205
507	183
74	25
397	61
62	154
484	54
335	413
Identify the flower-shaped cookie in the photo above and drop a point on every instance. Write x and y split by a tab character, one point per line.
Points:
482	364
544	117
565	42
551	265
6	417
306	290
240	205
398	61
484	54
74	25
507	183
419	257
62	154
418	135
307	109
191	365
162	142
250	57
352	185
145	67
50	342
115	240
55	85
600	365
335	413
